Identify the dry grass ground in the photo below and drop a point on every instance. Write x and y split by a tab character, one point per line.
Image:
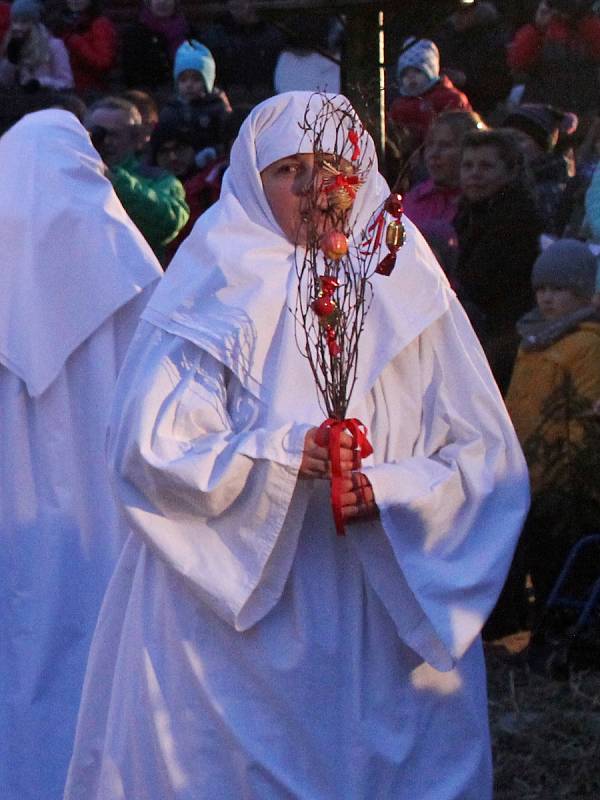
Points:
545	732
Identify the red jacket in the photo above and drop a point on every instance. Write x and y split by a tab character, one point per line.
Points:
417	113
4	19
526	48
93	53
201	191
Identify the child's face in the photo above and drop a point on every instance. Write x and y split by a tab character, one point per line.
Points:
483	173
77	6
176	157
190	85
413	81
555	302
21	28
162	8
442	155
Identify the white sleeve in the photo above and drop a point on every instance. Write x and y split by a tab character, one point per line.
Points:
451	512
219	501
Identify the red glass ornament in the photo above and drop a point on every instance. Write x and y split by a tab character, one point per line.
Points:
323	306
328	284
393	205
334	245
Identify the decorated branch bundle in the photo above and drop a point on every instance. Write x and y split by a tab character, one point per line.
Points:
335	266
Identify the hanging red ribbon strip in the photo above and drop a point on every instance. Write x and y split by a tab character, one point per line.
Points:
374	235
354	141
328	436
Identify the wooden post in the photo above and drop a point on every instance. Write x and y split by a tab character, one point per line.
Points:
363	71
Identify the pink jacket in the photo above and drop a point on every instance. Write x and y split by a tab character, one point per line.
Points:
426	203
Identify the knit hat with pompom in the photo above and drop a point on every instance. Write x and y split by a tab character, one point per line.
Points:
194	55
421	54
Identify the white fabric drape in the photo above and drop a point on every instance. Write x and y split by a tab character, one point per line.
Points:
73	282
65	239
246	651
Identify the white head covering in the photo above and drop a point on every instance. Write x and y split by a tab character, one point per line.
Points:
232	283
69	255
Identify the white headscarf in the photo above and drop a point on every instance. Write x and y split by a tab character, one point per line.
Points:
232	283
69	254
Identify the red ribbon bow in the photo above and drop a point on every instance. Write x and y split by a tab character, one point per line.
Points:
348	182
328	436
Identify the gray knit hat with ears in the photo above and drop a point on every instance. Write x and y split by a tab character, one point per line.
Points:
420	54
26	10
566	264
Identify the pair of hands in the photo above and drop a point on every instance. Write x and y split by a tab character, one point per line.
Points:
357	498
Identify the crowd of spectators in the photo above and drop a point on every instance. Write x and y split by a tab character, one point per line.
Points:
499	134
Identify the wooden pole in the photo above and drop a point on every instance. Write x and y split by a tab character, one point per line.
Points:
363	71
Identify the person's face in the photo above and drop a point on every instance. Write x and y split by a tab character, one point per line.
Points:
529	147
544	14
442	155
176	157
21	28
121	138
77	6
483	173
162	8
190	85
555	302
294	190
413	81
465	17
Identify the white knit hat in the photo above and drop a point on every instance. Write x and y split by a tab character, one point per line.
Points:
421	54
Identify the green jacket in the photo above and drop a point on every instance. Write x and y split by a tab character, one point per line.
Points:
154	199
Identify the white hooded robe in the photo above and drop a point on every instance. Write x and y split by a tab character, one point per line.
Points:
244	650
75	275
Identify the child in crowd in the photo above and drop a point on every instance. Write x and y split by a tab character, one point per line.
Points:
538	128
29	56
150	44
199	105
424	93
554	386
498	233
432	204
558	56
148	108
91	40
172	149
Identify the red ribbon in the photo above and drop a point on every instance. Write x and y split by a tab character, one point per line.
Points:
329	435
374	232
348	182
353	137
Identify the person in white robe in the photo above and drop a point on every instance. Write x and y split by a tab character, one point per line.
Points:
244	650
74	277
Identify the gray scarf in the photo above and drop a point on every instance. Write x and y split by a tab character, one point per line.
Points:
538	333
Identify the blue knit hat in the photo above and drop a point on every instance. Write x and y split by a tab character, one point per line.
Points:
29	10
568	264
193	55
